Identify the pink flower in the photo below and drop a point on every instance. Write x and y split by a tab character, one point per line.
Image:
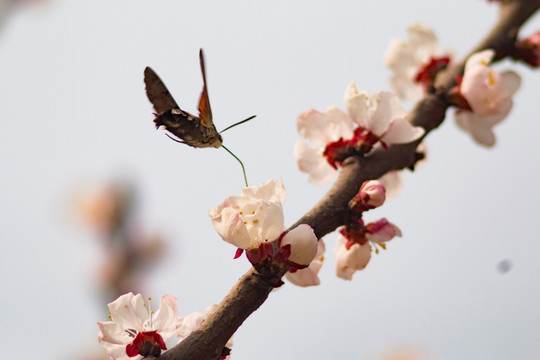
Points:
354	254
309	276
414	62
489	95
134	330
320	129
253	218
303	244
382	115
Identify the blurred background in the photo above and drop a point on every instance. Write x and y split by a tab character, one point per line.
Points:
95	201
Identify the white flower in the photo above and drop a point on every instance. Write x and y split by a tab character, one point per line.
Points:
406	59
303	244
348	261
356	256
134	329
381	113
309	276
488	93
193	321
320	129
252	218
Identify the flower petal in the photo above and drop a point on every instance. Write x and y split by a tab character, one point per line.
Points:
356	103
129	311
384	107
312	125
303	244
401	131
310	160
166	318
230	226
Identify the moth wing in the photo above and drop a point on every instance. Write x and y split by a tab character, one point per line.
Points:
157	92
205	112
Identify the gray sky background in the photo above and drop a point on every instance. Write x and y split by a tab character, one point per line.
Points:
73	107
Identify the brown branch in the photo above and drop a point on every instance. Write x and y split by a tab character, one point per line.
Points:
252	289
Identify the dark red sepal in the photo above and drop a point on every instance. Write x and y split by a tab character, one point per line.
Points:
146	343
238	253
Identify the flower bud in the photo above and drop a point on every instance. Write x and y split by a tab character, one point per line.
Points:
303	243
372	193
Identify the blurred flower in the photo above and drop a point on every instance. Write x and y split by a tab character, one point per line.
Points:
309	276
414	62
135	331
320	129
193	321
489	96
529	50
253	218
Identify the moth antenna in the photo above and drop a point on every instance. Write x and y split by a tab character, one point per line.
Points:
242	165
178	141
238	123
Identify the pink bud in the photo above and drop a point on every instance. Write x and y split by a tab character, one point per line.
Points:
303	244
372	193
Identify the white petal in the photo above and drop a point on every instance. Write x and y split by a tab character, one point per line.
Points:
384	107
230	226
312	125
113	333
510	81
401	131
310	160
272	190
348	261
303	244
166	318
356	103
189	324
405	88
392	182
129	311
266	224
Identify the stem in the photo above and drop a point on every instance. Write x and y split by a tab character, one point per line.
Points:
230	152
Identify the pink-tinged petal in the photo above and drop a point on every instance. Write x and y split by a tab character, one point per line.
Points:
272	190
303	244
384	107
230	226
309	276
373	193
113	333
348	261
129	311
510	81
405	87
117	352
312	125
166	318
266	224
311	161
392	182
356	103
423	39
341	125
401	131
189	324
382	231
479	127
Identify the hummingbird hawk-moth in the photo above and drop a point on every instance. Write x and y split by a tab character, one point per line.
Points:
198	132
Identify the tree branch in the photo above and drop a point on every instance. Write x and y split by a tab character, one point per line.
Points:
252	289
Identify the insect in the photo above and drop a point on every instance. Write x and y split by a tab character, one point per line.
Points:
199	132
196	131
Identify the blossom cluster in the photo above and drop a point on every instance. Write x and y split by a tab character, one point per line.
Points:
371	119
135	331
